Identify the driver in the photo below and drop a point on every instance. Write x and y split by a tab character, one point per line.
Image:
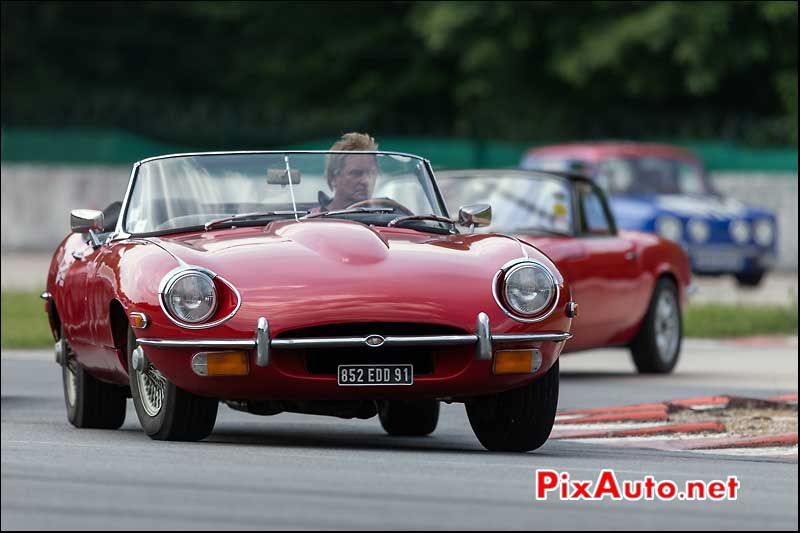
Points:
350	177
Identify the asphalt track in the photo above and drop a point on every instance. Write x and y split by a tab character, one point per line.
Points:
295	471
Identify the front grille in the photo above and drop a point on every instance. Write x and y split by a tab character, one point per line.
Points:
326	361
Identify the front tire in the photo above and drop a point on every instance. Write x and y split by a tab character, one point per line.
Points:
91	403
657	346
518	420
750	279
409	419
165	411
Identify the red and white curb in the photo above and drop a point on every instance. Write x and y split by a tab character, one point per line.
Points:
764	341
648	426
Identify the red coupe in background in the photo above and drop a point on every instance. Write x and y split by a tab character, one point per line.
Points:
224	277
630	285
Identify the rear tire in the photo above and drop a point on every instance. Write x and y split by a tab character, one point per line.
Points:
91	403
750	279
409	419
165	411
657	346
518	420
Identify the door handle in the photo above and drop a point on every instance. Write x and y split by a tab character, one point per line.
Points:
631	255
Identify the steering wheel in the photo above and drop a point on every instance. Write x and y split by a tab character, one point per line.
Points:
382	202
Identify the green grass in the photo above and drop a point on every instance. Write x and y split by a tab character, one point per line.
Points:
24	322
725	320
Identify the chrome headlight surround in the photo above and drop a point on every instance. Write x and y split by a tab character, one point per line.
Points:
764	232
168	283
669	227
499	291
740	231
209	299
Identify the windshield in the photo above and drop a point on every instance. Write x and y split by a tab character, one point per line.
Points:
635	175
194	190
650	175
527	203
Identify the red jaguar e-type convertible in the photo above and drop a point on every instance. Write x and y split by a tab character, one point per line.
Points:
233	277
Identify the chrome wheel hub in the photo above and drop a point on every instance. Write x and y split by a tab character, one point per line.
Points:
668	326
152	388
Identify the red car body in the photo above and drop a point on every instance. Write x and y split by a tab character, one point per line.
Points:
299	274
613	291
595	152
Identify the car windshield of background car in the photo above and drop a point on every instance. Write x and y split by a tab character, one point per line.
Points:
518	202
649	175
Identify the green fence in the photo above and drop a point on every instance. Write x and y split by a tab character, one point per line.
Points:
78	145
97	146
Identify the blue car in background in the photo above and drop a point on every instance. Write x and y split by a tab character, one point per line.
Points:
666	190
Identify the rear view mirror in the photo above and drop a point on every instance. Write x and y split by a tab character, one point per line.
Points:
277	176
84	220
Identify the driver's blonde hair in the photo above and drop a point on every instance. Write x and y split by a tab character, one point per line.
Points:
347	142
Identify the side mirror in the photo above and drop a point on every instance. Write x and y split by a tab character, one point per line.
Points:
475	215
85	220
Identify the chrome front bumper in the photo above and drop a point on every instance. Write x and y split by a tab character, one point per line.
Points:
263	344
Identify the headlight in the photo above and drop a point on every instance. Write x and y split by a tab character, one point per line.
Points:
529	289
764	232
669	228
740	231
699	230
190	297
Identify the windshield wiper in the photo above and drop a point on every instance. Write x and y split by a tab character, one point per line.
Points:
251	216
348	211
401	221
539	229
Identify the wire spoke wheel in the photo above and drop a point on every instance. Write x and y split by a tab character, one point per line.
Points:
667	326
152	388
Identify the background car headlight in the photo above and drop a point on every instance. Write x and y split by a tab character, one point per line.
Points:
529	289
191	297
764	232
740	231
699	230
669	228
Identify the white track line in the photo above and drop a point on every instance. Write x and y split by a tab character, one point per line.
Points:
609	426
772	451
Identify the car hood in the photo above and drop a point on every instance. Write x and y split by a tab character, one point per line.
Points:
343	270
338	245
709	207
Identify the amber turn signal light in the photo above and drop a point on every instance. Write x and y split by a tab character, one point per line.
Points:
572	310
139	320
221	364
517	361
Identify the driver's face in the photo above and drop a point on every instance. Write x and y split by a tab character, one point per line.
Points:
356	181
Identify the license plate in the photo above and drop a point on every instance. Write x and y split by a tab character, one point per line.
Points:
718	259
360	375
